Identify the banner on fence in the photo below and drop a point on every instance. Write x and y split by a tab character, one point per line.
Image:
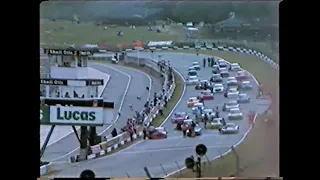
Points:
160	43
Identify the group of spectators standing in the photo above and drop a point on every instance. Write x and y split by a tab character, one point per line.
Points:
150	107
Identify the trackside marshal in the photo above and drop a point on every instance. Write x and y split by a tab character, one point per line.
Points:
68	115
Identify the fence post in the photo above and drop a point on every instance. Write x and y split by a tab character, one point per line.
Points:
147	172
178	168
163	169
237	161
128	175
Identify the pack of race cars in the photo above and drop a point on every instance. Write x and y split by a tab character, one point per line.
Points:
233	88
221	82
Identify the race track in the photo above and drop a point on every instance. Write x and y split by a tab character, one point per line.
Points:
165	156
123	88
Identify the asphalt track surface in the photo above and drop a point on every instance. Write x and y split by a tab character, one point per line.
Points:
63	149
165	156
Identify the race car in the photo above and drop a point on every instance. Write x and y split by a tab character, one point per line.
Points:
235	114
179	117
218	88
191	101
242	76
224	74
203	84
206	95
230	105
229	128
243	98
232	81
223	64
192	80
235	67
245	85
157	133
196	108
216	78
216	123
187	125
192	73
215	70
209	112
196	65
232	93
191	68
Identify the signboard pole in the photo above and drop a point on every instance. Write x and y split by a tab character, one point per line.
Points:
83	144
44	146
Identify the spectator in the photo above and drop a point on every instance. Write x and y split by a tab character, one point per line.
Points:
114	132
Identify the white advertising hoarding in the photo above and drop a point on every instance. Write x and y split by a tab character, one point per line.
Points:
68	115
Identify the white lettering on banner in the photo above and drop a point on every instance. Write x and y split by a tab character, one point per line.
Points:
159	43
76	115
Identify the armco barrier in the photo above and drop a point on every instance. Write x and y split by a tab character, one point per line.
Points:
263	57
111	144
116	142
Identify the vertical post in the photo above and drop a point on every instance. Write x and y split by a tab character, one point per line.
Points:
44	146
83	145
198	167
147	172
76	133
237	161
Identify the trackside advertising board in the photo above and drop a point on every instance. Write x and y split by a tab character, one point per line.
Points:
68	115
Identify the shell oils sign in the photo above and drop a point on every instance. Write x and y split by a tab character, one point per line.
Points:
73	115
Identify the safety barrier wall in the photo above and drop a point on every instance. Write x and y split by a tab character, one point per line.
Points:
260	55
113	143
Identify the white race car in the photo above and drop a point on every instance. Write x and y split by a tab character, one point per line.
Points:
196	65
218	88
243	98
245	85
210	113
192	80
235	67
233	93
232	81
235	114
216	123
196	108
229	128
191	68
230	105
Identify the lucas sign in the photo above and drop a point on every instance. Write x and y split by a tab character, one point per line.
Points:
67	115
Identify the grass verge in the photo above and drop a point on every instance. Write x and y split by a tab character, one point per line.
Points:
173	101
259	151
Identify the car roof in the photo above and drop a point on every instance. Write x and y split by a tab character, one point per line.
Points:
235	109
193	76
235	64
243	94
243	82
232	101
193	98
218	84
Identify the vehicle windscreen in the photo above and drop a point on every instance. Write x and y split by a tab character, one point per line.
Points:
192	73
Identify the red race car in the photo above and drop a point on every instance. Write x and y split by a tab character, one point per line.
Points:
157	133
179	117
242	76
206	95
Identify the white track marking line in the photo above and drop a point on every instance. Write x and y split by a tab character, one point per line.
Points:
172	149
121	105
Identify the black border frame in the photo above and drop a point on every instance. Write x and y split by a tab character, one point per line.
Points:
28	133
